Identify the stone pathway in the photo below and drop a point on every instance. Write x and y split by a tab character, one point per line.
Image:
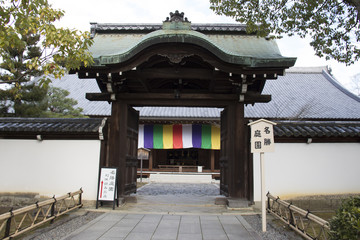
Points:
169	211
111	226
176	198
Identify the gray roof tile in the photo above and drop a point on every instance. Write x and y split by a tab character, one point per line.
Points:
300	94
115	27
316	129
50	125
90	126
306	95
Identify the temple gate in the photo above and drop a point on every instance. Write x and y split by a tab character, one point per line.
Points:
182	64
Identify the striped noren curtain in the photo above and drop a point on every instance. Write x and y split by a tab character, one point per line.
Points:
179	136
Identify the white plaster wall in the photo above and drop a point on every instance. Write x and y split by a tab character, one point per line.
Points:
306	169
49	167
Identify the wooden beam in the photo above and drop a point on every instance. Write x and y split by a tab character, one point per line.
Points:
185	99
172	73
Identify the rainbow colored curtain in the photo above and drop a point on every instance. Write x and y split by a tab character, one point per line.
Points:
179	136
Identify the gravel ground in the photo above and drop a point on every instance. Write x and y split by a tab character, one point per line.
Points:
63	226
196	189
274	231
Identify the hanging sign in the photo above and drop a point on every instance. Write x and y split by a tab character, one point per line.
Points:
107	187
262	136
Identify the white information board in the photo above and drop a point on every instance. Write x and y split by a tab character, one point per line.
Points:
262	140
107	184
262	136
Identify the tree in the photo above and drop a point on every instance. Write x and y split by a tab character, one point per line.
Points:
333	25
31	46
36	101
59	105
32	103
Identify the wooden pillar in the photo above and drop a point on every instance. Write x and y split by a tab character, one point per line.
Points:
151	160
117	142
103	154
251	170
212	160
238	153
154	159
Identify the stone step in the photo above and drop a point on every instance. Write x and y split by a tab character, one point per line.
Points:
180	178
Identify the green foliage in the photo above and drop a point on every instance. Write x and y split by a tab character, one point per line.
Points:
333	25
31	46
31	104
30	43
346	223
38	101
60	106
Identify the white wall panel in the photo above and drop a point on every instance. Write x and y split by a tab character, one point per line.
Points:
49	167
307	169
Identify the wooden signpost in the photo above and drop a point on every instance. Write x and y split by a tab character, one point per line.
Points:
107	186
143	153
262	140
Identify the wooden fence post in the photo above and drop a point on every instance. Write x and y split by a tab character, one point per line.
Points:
8	224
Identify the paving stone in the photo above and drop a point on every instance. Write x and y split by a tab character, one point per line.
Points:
127	222
189	236
189	228
118	232
209	218
215	237
88	235
152	218
165	235
111	238
134	216
171	217
190	219
113	217
139	236
145	227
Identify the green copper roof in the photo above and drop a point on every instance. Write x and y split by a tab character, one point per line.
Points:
116	44
236	49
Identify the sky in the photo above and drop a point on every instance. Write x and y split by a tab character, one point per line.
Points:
79	14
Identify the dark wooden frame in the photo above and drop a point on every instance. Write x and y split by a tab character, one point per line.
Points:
157	81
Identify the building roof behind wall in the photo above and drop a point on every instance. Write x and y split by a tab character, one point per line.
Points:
50	128
306	93
318	130
93	128
303	93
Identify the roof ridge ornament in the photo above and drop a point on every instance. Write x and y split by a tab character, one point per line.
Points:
176	17
176	22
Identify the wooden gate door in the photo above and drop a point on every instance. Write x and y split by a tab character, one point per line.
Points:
131	154
224	166
236	177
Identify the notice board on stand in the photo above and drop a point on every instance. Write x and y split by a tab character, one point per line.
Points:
107	186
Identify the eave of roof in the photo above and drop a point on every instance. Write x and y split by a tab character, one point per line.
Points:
89	129
71	128
148	27
117	43
317	129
